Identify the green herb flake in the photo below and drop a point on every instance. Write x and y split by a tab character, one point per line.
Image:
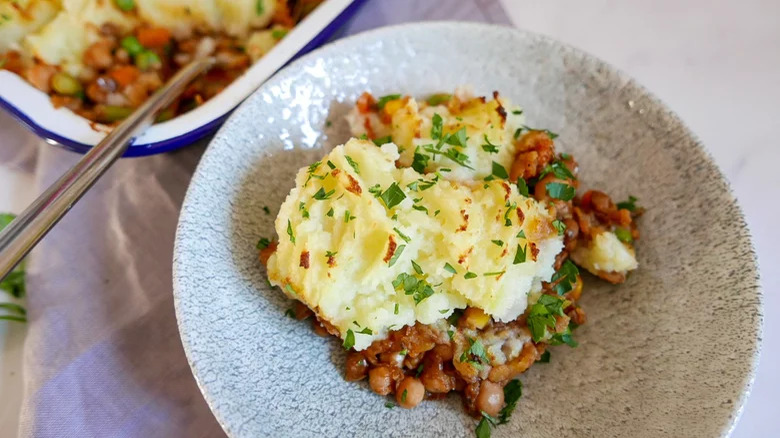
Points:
521	234
475	355
483	428
549	133
349	340
499	171
353	164
266	209
560	191
330	212
420	208
330	254
263	243
565	277
402	235
289	289
512	393
321	195
290	232
517	112
469	275
290	313
331	165
383	140
522	187
348	217
395	311
304	212
489	147
458	138
403	396
393	196
396	255
417	268
436	213
436	126
624	235
629	205
438	99
493	274
510	208
564	338
449	268
560	226
278	34
545	358
129	5
520	254
517	133
384	99
366	331
498	242
375	190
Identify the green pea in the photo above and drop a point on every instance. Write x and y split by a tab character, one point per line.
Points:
131	44
147	60
66	84
110	113
125	5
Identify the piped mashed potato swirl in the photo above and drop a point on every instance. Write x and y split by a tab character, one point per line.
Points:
371	248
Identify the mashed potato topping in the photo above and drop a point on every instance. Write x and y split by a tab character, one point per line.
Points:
371	247
606	253
488	130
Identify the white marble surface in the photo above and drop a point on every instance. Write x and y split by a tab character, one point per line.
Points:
716	63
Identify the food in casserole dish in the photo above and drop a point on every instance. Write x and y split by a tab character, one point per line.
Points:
441	246
103	58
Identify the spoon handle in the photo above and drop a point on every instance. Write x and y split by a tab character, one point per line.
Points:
21	235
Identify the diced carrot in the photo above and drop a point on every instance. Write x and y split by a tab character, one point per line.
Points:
153	37
125	75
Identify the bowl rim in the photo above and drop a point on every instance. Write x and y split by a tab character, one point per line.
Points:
748	378
330	20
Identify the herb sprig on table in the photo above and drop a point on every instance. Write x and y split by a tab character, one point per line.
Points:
13	284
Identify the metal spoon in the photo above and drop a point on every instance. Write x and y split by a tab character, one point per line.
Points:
21	235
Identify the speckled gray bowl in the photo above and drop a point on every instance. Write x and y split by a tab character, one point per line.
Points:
670	353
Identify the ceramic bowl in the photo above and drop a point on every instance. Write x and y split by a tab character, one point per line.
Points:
671	352
60	126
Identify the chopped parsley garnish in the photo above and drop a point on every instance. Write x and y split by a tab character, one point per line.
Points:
520	254
279	33
522	187
425	185
450	333
349	340
458	138
469	275
403	396
560	191
444	311
510	208
493	274
289	289
517	112
290	313
366	331
393	196
483	428
542	316
521	234
321	195
413	186
629	205
420	208
420	161
417	268
449	268
395	311
383	140
348	217
455	317
363	136
512	393
489	147
353	164
129	5
475	355
419	369
560	226
436	213
330	254
330	212
549	133
498	242
396	254
375	190
389	405
290	231
558	169
411	285
313	168
384	99
302	208
402	235
517	133
266	209
438	99
545	358
458	157
563	338
499	171
624	235
436	127
331	165
263	243
565	277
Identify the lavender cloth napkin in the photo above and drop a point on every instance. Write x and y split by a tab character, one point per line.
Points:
102	355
